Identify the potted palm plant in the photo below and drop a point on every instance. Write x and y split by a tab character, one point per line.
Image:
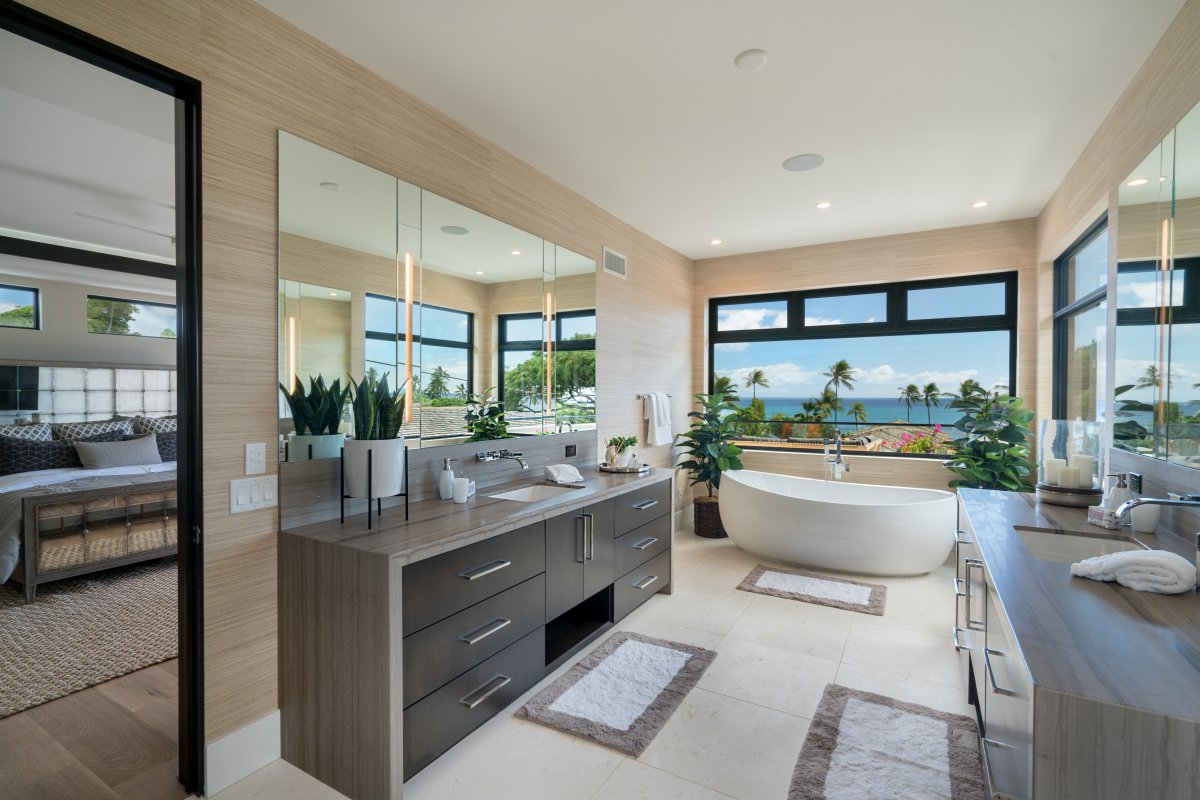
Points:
378	413
710	451
316	415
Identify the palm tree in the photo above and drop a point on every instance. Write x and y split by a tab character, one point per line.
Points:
859	412
754	379
910	395
931	395
969	388
1151	378
437	384
723	385
840	374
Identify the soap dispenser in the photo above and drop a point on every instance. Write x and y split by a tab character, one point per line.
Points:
1119	493
446	481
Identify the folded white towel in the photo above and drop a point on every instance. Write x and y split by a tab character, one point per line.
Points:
562	473
656	408
1141	570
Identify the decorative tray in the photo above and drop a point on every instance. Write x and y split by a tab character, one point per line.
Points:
1062	496
641	469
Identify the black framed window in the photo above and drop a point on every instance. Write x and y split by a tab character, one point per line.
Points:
119	317
522	366
443	363
906	346
1081	325
20	307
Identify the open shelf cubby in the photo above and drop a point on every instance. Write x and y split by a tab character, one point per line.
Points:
570	631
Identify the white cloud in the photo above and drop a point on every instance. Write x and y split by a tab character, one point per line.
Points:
786	378
731	347
751	319
822	321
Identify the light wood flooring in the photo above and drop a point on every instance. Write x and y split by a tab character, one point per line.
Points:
117	740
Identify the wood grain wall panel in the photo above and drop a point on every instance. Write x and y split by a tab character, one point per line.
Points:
260	74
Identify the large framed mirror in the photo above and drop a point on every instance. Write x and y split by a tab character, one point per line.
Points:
378	276
1157	368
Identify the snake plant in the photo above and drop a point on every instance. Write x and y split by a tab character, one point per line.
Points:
378	411
320	410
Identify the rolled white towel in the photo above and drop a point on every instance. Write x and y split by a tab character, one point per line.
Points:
1141	570
563	473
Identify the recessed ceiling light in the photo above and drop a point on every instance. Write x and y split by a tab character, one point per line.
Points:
333	294
803	162
455	230
979	204
330	186
478	272
1162	178
516	252
750	59
1139	182
824	204
715	241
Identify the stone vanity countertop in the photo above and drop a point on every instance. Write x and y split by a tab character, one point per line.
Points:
1082	637
438	526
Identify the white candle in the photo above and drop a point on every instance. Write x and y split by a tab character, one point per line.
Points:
1052	467
1068	477
1086	466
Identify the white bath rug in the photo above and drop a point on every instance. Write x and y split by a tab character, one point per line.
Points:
622	693
864	746
809	587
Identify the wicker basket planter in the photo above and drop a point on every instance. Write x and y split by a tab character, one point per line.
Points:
708	518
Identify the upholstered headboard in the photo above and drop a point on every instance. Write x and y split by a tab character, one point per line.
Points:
77	394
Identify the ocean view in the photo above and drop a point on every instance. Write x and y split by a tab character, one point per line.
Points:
879	410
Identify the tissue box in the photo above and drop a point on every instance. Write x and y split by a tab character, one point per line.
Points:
1103	517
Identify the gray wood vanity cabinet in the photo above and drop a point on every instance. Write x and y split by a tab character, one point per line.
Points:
396	644
1082	689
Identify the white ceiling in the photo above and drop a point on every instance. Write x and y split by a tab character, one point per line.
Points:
920	107
88	157
27	271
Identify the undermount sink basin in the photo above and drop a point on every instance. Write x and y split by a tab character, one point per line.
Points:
531	494
1067	547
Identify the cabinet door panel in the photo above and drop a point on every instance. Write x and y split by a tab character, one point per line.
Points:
1008	709
564	563
601	555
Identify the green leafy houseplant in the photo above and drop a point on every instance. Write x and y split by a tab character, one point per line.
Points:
710	450
485	417
994	452
319	411
622	442
378	411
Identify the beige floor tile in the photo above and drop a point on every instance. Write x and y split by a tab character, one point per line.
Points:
720	578
951	699
769	676
511	758
650	625
276	781
793	625
731	746
705	612
636	781
904	652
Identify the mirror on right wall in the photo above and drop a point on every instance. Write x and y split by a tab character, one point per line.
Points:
1157	369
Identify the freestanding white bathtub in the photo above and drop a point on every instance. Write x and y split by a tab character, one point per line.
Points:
853	527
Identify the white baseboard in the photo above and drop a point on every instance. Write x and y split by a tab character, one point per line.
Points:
241	753
684	517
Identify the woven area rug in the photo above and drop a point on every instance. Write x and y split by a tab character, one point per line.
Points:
622	693
863	746
809	587
84	631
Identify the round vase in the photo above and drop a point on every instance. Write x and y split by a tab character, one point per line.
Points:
315	446
625	458
387	467
610	456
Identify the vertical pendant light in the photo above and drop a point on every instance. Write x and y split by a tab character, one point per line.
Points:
408	336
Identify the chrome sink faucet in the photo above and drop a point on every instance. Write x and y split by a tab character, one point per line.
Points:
839	464
500	455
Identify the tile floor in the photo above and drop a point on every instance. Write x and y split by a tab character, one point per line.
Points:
737	735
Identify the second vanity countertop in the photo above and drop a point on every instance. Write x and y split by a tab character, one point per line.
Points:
436	526
1082	637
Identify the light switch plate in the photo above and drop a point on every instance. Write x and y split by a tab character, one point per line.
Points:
249	494
256	458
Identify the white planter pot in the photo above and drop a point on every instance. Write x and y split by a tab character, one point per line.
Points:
325	445
625	457
387	467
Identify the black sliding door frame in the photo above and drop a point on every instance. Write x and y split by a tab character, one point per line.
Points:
59	36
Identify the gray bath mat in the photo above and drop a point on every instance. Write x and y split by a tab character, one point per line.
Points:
866	746
622	693
809	587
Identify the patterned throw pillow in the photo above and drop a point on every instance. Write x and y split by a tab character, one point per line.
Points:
155	424
38	432
66	431
168	446
20	455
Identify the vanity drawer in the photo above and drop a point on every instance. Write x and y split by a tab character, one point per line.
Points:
637	547
449	648
437	587
641	584
643	505
437	723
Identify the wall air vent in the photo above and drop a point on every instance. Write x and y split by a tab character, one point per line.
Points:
615	263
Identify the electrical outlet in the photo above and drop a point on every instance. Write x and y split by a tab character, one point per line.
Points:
572	450
1135	482
256	458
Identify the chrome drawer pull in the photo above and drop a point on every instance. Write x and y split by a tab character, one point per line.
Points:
642	506
958	645
960	537
479	634
486	569
644	543
959	587
484	692
973	624
646	581
987	662
589	537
